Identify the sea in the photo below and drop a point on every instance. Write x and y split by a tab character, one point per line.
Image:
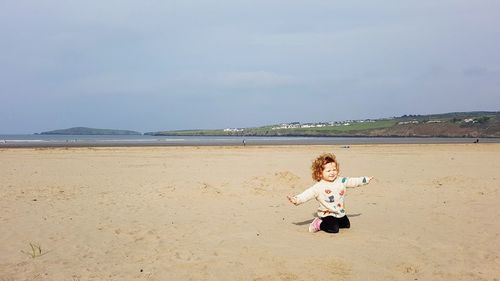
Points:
12	141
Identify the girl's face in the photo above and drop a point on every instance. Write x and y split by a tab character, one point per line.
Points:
330	172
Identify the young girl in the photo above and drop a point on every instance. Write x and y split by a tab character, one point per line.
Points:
329	191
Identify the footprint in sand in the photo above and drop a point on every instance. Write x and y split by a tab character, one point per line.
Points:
184	255
208	188
286	276
450	181
282	180
408	268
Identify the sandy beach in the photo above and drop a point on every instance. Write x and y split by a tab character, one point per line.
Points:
221	213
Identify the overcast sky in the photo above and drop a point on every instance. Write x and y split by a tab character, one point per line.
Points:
159	65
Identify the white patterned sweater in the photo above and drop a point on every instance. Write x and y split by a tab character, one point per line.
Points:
330	195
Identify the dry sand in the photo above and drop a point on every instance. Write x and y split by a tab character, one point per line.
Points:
221	213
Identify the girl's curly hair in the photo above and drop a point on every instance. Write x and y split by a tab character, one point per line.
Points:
320	162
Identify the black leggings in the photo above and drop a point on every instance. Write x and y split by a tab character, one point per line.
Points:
332	224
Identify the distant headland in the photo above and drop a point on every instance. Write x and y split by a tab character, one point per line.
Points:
90	131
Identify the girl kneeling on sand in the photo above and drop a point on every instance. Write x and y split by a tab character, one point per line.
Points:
329	191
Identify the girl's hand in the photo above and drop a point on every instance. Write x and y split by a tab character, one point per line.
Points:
292	200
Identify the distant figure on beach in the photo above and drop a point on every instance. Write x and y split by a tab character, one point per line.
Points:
476	141
244	142
329	190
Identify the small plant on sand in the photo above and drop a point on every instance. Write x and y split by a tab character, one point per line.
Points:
36	250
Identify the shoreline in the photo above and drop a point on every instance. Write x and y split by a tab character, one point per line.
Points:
248	148
236	141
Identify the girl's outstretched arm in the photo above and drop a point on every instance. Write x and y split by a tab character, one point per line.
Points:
354	182
305	196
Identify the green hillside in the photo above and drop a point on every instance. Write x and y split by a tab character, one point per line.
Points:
455	124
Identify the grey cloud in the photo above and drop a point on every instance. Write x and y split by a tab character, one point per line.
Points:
482	71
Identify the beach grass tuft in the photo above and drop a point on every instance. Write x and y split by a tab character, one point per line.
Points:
36	250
